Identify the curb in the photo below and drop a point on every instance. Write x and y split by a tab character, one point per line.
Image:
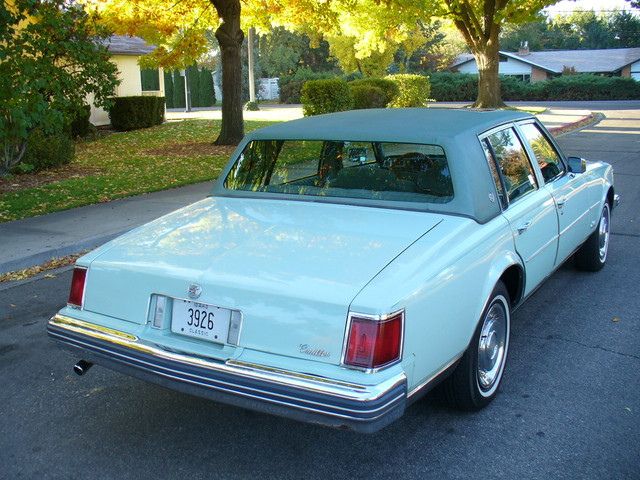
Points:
583	122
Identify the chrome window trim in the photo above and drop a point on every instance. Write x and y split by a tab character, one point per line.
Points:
374	318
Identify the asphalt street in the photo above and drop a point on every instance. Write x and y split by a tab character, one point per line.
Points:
569	405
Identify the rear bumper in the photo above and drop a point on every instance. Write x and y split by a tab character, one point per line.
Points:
309	398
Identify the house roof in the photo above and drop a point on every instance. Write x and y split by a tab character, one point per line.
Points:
584	61
126	45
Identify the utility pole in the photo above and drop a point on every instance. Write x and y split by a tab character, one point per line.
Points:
187	91
252	80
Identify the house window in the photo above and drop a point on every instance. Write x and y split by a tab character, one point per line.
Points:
150	79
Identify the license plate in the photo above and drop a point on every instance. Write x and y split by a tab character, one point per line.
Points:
200	320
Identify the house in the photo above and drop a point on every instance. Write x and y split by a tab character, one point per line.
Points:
125	52
537	66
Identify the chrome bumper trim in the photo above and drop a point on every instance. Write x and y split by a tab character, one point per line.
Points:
310	393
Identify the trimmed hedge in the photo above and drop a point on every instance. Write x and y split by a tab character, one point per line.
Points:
413	90
389	88
367	96
457	87
46	151
326	96
131	113
453	87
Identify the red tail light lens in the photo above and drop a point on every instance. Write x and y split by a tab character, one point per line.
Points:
77	287
373	343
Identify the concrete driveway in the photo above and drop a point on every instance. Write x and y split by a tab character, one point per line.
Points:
569	405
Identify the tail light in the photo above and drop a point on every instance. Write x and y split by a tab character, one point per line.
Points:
374	343
76	293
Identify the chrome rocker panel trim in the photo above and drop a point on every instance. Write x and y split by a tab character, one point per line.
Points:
302	397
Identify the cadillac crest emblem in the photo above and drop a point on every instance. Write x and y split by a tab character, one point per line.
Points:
194	290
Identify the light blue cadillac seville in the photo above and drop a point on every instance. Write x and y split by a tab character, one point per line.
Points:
344	265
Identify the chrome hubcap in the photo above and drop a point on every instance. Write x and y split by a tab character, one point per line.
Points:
492	346
603	233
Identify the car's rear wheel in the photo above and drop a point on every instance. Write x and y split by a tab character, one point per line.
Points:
592	255
475	381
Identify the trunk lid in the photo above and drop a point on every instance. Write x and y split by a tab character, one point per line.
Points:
292	268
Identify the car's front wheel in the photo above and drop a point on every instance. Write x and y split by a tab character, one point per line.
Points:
592	255
475	381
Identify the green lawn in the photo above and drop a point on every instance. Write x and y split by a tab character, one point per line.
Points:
130	163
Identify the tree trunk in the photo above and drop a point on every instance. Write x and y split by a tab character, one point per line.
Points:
230	37
488	61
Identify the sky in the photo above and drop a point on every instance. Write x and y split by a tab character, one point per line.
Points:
566	6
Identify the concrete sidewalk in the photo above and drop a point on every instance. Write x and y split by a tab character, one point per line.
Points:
32	241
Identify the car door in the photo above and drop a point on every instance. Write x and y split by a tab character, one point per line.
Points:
529	209
570	191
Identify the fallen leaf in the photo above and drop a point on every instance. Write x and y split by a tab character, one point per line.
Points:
615	319
627	409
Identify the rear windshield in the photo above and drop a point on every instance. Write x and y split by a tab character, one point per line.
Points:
404	172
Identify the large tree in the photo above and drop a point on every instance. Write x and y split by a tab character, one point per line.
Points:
480	23
51	60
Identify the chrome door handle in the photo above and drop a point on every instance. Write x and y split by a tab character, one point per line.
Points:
524	227
561	201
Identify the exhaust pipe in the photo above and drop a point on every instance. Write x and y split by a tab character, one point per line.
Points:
82	367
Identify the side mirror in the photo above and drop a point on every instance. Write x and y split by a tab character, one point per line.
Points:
577	164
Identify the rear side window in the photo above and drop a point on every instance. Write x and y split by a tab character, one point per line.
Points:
547	157
513	163
494	173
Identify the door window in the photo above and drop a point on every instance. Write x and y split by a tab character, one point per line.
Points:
513	163
546	155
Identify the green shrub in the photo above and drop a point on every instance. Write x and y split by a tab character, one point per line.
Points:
325	96
413	90
46	151
388	87
453	87
207	94
457	87
251	106
589	87
368	96
80	124
131	113
291	85
290	92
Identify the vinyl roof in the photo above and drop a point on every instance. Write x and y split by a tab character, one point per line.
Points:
126	45
455	130
584	61
390	124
